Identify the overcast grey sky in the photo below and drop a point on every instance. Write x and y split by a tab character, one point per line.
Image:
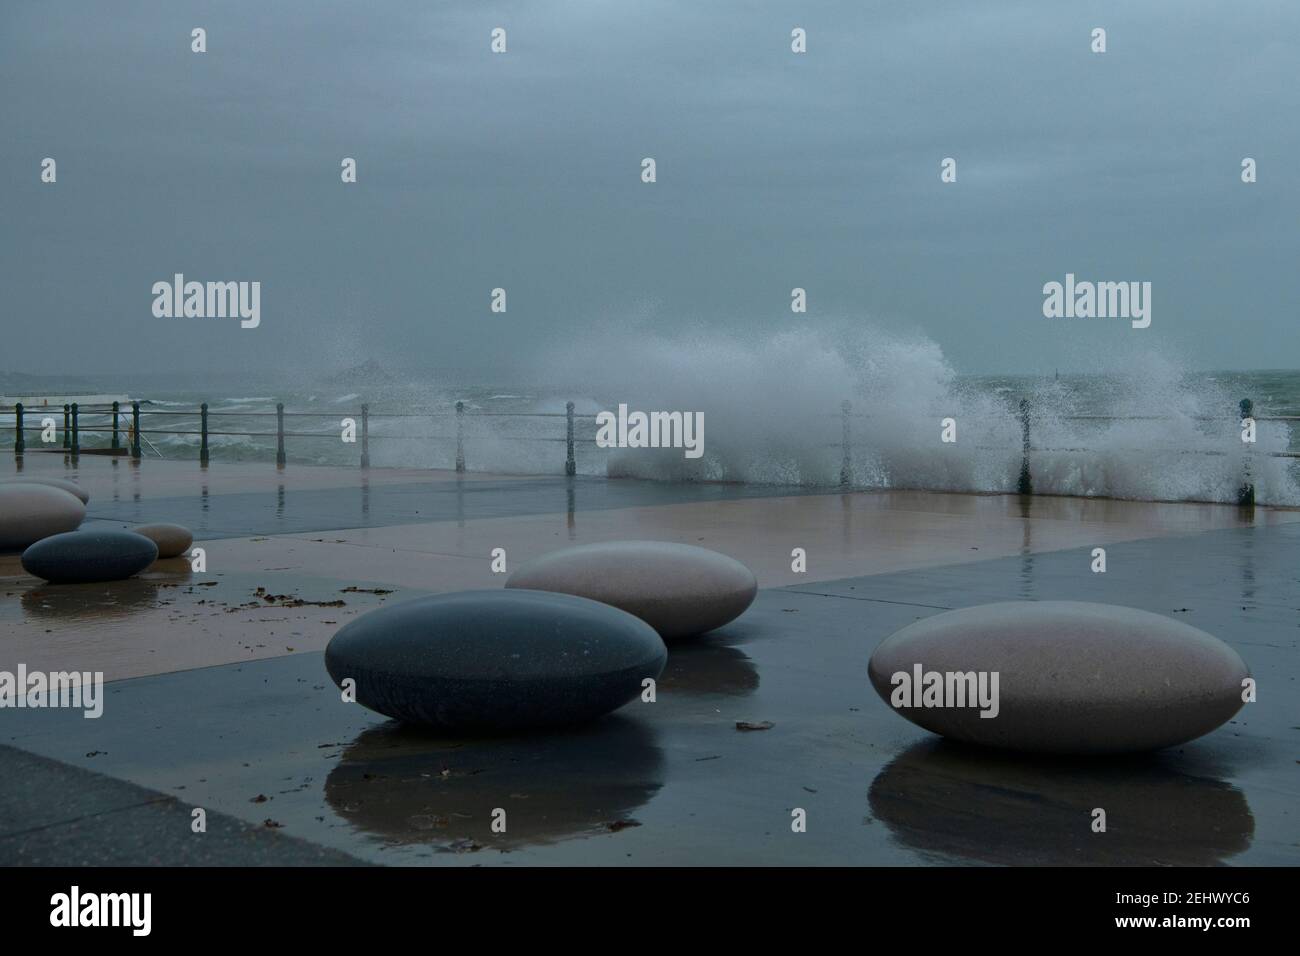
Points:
522	170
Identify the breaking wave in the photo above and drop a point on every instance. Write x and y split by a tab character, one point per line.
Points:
772	412
1144	429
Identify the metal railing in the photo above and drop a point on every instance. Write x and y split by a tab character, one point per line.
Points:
127	436
1025	480
135	434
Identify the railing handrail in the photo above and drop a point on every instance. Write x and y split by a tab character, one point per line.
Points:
73	428
337	413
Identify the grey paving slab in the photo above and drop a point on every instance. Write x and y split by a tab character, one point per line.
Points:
52	814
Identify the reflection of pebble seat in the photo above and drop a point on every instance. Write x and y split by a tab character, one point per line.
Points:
678	589
973	804
581	782
495	660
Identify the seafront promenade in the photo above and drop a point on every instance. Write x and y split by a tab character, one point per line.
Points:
219	699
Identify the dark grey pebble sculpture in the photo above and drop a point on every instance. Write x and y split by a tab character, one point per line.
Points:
495	660
1072	677
79	557
678	589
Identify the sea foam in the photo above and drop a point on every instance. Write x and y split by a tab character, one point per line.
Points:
1145	430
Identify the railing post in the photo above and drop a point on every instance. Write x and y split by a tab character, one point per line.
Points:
460	436
76	438
19	444
203	435
67	426
365	436
846	445
116	439
1026	483
279	434
135	430
1246	493
570	463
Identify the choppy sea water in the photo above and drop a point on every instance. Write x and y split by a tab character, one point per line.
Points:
1151	436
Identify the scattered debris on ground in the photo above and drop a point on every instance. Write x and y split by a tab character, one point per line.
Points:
282	600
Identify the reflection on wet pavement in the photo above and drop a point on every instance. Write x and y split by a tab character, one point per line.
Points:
67	603
169	619
966	804
705	666
405	786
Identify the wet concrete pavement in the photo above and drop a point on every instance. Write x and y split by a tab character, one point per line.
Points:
172	619
268	739
57	815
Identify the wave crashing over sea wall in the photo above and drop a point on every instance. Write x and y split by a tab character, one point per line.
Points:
1147	430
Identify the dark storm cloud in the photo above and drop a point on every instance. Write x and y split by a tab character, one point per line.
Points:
522	171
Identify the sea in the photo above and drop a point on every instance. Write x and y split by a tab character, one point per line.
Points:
1154	433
